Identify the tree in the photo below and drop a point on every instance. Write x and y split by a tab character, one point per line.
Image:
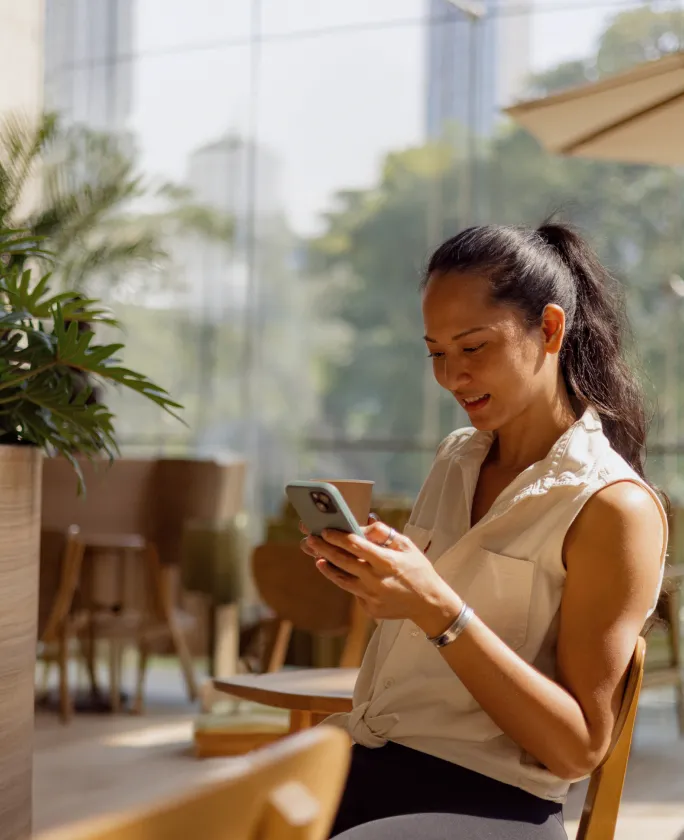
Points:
638	35
632	37
368	262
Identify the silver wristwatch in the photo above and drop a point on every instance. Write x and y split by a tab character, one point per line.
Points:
454	630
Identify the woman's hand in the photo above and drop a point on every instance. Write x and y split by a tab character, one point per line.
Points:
393	581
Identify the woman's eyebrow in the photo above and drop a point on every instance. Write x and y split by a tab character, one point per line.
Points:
457	336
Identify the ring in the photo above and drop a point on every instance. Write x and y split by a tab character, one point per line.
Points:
390	538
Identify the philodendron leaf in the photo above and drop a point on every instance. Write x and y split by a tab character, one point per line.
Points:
48	363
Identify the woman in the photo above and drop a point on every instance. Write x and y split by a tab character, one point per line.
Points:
510	608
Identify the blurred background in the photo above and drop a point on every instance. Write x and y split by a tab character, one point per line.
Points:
254	187
337	143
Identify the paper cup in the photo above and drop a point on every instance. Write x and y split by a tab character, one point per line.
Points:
357	494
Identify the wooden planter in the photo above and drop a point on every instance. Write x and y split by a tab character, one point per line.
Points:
20	483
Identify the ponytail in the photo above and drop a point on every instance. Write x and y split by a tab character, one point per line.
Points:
529	269
592	359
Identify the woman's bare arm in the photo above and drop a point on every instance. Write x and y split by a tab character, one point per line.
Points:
612	554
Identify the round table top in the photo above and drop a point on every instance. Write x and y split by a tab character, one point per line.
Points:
318	690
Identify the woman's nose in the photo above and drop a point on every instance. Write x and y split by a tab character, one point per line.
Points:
456	374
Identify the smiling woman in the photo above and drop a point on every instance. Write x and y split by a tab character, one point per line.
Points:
510	608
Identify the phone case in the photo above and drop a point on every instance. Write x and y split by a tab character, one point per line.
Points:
315	520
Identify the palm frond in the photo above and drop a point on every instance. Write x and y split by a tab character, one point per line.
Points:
22	143
110	256
90	187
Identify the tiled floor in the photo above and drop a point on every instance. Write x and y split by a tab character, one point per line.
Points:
101	763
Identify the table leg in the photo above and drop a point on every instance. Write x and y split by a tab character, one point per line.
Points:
225	634
115	675
226	640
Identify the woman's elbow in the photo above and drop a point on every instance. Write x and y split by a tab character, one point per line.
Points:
573	767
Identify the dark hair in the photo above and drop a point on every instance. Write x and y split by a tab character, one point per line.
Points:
529	269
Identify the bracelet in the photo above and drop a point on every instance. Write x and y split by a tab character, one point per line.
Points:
455	629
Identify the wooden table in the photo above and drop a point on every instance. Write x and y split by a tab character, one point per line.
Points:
311	694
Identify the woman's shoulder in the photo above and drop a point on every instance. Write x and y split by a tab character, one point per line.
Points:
621	533
624	504
455	443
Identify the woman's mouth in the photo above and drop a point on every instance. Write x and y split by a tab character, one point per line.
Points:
475	403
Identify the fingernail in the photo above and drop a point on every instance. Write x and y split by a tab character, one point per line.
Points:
374	517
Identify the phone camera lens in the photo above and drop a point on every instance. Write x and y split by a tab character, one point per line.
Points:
323	502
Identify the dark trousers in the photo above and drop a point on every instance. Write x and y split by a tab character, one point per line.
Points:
396	793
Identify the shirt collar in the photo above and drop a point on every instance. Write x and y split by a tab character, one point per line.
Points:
573	458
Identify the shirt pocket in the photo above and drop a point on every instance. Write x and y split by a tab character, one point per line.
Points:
499	589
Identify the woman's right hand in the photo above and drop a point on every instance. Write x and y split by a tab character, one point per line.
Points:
372	518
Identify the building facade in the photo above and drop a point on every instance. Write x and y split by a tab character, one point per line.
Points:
474	65
88	61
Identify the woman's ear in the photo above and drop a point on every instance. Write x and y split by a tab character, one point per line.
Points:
553	327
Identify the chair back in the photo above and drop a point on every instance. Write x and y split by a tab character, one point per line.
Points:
602	802
287	791
190	492
118	500
291	585
61	556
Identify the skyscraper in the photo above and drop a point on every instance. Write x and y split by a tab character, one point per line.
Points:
88	68
218	173
474	67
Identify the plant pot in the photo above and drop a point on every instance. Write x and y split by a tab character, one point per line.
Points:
20	496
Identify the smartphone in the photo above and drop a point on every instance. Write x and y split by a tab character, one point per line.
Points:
321	505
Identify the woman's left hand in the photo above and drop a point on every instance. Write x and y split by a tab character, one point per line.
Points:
395	581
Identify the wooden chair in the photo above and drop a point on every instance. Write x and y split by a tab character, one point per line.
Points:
292	587
139	612
602	802
288	791
61	557
151	500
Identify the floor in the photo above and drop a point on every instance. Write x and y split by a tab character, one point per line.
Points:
101	763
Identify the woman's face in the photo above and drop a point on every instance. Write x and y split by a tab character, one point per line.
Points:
484	353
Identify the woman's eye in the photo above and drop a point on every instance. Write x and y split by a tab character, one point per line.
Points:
474	349
435	355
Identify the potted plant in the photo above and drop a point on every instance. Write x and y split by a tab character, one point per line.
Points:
48	365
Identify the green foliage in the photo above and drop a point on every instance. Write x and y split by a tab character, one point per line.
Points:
48	362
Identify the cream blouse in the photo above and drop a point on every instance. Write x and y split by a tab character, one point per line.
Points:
509	568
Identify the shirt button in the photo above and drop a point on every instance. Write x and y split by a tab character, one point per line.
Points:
389	683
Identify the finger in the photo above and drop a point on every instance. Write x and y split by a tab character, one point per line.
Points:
341	579
377	532
380	532
305	548
373	517
340	558
376	556
303	528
